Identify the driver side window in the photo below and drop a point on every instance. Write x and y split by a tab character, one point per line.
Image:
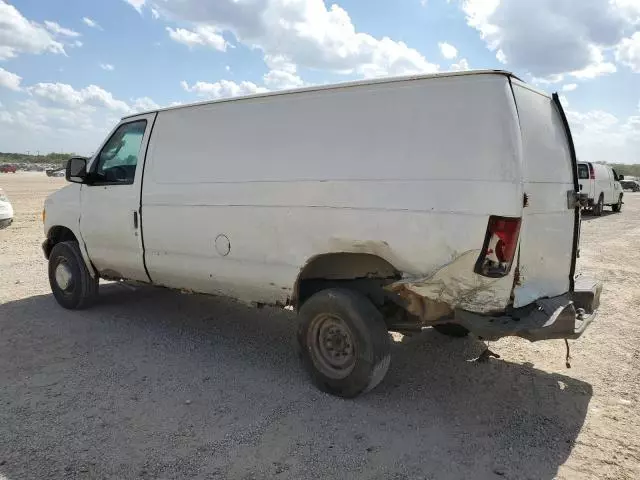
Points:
118	159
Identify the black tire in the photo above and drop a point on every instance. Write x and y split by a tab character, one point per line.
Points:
362	336
451	330
599	207
80	289
617	207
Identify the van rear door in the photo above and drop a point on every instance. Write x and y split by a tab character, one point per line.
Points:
550	224
584	179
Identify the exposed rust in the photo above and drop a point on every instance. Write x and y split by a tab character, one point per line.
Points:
517	281
426	309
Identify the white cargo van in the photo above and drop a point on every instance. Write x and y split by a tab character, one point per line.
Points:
443	200
601	184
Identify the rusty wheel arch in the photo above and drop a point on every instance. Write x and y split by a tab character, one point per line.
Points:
364	272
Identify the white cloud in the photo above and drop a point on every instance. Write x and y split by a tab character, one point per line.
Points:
306	32
600	136
144	104
628	51
552	37
77	43
281	79
570	87
155	14
60	117
107	66
227	68
282	73
222	89
91	23
597	66
447	50
57	29
462	65
9	80
19	35
551	79
65	95
137	4
202	35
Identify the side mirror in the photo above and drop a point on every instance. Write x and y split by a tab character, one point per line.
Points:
620	177
76	170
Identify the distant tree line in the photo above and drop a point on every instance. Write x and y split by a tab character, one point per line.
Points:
625	169
53	158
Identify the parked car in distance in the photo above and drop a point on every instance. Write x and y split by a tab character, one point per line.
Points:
6	168
6	210
55	172
342	202
632	185
601	185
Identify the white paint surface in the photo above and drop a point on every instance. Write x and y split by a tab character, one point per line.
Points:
107	225
419	165
546	234
410	170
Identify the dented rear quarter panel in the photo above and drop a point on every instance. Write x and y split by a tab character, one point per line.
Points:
409	171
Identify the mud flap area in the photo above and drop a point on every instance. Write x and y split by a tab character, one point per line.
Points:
566	316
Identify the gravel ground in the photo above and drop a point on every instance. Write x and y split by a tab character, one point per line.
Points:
155	384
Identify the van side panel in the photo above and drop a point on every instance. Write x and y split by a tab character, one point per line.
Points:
409	171
546	237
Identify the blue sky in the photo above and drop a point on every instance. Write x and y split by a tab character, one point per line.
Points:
69	69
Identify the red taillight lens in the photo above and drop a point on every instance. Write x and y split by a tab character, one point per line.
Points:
592	174
499	247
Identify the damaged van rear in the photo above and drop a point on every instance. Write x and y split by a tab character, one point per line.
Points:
448	201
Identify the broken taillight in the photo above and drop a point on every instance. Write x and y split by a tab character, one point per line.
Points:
499	248
592	174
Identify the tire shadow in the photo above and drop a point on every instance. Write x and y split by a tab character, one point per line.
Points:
588	216
152	383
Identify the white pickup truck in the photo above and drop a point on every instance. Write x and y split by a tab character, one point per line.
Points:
445	200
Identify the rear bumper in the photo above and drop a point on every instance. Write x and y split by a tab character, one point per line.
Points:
564	316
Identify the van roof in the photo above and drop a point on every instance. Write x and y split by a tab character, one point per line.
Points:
371	81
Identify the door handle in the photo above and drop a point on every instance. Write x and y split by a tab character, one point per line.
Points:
135	220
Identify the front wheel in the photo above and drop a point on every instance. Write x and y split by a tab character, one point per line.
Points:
71	283
617	207
344	343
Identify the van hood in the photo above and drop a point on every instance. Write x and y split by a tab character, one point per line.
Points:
67	194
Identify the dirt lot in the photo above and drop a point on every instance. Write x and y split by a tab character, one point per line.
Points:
155	384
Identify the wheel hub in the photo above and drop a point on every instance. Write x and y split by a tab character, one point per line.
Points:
64	277
332	346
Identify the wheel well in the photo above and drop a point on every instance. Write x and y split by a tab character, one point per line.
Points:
363	272
56	235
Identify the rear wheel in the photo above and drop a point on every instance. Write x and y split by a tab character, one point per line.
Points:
451	330
599	207
617	207
344	343
71	283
